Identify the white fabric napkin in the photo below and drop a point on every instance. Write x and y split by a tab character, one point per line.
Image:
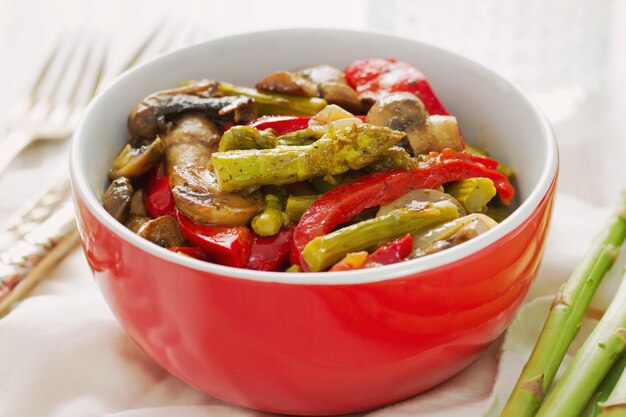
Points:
63	354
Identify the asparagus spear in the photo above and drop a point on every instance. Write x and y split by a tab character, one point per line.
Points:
352	147
297	205
564	319
324	251
615	404
246	137
604	389
272	218
276	104
472	193
592	362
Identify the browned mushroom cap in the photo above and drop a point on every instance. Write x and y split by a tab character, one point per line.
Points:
132	162
137	207
322	74
400	111
197	195
191	142
342	95
284	82
135	222
117	198
332	86
438	133
152	115
163	231
404	111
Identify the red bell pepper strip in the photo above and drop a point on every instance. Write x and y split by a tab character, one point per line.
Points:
488	162
158	198
191	251
346	201
227	245
284	124
373	78
271	253
281	124
392	252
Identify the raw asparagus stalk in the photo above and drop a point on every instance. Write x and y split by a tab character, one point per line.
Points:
472	193
604	389
324	251
564	319
352	147
297	205
591	364
615	404
276	104
272	218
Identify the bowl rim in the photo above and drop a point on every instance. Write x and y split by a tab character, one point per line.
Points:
548	175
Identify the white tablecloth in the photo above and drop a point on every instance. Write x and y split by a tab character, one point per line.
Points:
63	354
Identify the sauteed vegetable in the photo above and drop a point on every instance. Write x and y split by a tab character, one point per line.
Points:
315	169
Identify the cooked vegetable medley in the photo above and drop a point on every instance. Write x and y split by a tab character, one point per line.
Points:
315	169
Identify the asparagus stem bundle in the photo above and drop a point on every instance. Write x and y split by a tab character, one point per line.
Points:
564	319
604	389
591	364
615	405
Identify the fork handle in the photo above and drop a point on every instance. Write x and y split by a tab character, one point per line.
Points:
14	143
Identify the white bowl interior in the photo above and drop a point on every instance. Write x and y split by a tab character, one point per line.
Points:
491	111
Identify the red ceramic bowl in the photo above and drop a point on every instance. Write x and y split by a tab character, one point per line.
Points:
319	343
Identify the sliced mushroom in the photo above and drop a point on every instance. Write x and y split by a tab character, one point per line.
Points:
135	222
137	207
404	111
132	162
284	82
400	111
451	234
163	231
341	94
116	199
438	133
198	196
190	142
332	86
415	198
153	114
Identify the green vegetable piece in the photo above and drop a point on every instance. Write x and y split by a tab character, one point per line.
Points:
560	328
353	147
272	218
472	193
497	212
246	137
293	268
276	104
297	205
395	157
324	251
503	169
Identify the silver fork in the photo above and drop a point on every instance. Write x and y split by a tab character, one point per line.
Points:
44	230
52	113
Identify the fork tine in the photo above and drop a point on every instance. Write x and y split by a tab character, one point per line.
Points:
143	47
35	89
83	69
101	66
63	69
